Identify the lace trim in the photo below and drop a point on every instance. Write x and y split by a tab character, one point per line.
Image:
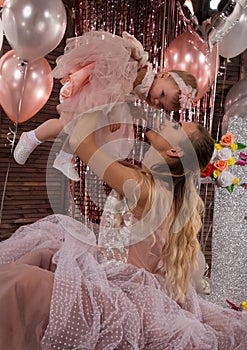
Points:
138	54
142	89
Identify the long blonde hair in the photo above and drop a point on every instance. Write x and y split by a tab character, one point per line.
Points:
180	238
184	220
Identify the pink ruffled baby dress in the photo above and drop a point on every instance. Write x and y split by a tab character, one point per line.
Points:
101	69
98	70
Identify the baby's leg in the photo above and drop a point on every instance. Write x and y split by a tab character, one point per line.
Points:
64	162
49	129
30	140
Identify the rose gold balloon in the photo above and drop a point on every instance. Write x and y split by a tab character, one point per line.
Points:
24	88
189	52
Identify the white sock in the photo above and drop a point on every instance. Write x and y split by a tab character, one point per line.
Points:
33	138
65	155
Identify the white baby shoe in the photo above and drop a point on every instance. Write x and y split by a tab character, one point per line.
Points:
24	148
66	166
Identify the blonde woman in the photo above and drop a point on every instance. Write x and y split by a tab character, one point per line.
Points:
131	288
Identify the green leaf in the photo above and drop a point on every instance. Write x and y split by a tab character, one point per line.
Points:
240	145
230	188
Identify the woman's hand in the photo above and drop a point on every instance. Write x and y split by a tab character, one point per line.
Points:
114	127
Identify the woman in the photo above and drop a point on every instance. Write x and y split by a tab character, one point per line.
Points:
131	289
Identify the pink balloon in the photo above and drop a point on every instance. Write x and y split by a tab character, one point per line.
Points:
189	52
24	89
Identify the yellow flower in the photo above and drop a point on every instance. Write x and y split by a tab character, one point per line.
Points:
217	146
231	161
244	305
235	181
234	146
216	173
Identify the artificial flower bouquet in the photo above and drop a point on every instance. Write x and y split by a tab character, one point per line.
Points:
219	168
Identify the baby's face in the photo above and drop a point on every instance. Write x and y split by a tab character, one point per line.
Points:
162	93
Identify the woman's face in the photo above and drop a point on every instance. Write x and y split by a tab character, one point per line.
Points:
169	138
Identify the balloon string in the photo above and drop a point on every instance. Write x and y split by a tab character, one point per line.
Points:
163	38
12	142
213	94
23	65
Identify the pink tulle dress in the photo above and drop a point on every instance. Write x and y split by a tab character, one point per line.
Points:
108	293
98	70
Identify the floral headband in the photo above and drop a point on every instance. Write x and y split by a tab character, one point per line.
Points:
187	92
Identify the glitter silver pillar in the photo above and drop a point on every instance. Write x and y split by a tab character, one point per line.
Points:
229	245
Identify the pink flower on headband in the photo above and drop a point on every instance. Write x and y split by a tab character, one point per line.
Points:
187	94
186	97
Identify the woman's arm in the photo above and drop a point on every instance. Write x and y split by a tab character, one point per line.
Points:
115	174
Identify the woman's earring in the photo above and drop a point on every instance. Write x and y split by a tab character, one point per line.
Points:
174	153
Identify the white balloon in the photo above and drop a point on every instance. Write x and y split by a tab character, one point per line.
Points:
33	28
223	24
236	92
237	110
234	42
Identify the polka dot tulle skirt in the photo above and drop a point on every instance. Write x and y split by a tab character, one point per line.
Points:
115	305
